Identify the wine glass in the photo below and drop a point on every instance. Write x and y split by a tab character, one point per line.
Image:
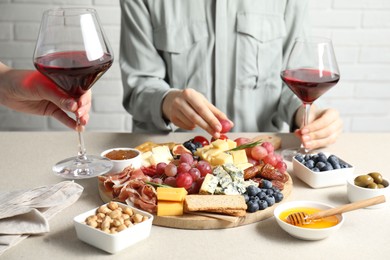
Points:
73	51
310	70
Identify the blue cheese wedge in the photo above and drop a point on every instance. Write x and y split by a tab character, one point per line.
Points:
209	184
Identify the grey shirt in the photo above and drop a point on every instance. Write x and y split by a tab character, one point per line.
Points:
231	51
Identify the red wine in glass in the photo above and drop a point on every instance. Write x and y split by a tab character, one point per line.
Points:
72	71
73	51
310	71
309	84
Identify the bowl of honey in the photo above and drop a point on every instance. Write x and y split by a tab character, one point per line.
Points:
314	230
123	157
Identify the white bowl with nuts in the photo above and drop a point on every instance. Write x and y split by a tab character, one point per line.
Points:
113	226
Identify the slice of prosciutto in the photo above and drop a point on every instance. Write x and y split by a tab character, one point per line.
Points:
130	186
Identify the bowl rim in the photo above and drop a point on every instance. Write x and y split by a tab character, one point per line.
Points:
351	179
285	206
102	154
351	167
77	219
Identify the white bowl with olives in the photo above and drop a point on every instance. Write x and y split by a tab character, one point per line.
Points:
365	186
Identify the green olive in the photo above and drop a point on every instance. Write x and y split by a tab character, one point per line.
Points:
380	186
373	186
363	180
377	177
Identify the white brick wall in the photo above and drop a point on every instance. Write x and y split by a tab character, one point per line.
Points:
360	30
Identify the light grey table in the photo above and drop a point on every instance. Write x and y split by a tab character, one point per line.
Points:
27	158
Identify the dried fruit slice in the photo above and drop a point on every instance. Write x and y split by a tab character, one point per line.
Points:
180	149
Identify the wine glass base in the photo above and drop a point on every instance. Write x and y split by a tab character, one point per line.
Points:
76	168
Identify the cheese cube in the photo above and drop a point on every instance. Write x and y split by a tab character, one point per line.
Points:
231	144
243	166
161	154
170	208
221	159
209	154
220	144
171	194
145	157
239	157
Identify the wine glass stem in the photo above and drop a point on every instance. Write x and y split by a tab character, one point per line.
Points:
82	150
306	107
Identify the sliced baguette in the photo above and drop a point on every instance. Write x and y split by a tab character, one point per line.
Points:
225	204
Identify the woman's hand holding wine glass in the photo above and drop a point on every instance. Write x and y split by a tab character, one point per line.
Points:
73	52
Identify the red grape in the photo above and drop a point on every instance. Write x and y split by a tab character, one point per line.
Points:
183	167
242	140
281	166
201	139
186	158
160	168
270	159
170	170
204	167
184	180
195	173
157	180
171	181
269	146
259	152
226	126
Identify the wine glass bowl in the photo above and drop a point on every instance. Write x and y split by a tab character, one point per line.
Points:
310	70
73	52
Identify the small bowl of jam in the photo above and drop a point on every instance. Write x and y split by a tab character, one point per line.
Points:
122	158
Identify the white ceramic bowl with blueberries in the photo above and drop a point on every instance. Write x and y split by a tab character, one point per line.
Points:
321	169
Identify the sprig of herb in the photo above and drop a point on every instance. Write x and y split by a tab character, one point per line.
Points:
247	145
157	184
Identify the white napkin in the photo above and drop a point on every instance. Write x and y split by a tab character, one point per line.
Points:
27	212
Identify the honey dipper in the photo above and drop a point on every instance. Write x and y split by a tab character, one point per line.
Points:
302	218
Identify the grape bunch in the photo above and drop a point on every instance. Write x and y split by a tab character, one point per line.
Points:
263	152
320	162
261	198
184	172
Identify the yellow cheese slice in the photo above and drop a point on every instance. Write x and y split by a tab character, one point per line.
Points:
171	194
169	208
239	156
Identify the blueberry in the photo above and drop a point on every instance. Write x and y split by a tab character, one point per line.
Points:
253	206
309	164
251	190
197	145
270	192
276	189
322	157
327	167
315	169
270	200
278	197
262	204
307	157
334	161
320	165
299	158
261	195
246	197
190	145
315	158
266	184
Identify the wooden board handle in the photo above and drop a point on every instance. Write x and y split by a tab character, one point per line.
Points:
348	207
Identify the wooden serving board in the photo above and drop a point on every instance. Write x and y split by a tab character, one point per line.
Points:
190	221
